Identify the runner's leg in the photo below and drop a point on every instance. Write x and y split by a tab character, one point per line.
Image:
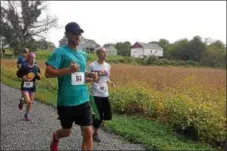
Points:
20	105
98	122
28	102
83	117
66	120
87	138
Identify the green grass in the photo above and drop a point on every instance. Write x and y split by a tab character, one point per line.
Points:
8	52
150	133
135	129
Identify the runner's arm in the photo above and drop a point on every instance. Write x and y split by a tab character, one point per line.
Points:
111	82
22	72
18	65
108	80
38	77
53	63
88	74
51	72
88	79
19	62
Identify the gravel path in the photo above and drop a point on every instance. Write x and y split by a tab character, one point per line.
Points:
17	134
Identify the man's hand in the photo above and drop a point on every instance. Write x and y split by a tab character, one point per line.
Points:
88	79
74	68
19	66
25	78
39	75
94	76
113	84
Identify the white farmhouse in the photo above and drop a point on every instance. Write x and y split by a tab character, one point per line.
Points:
141	50
110	50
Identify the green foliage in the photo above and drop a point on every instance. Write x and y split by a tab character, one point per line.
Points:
123	48
19	28
44	45
215	56
195	50
42	55
186	116
191	62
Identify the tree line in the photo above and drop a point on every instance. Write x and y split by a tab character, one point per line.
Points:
206	52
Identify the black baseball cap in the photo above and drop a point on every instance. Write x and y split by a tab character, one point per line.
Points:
73	28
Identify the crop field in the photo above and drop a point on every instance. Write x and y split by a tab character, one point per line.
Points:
192	101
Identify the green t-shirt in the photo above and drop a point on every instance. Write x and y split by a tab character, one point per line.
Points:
72	89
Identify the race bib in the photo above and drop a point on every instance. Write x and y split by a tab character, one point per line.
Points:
78	78
28	84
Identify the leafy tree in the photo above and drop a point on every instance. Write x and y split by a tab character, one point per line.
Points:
215	56
123	48
196	49
21	23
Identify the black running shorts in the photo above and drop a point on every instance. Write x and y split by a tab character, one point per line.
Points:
81	115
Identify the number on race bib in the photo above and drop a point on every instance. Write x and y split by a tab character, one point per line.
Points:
28	84
77	78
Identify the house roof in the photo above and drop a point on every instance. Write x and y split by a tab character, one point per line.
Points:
145	45
111	47
150	46
84	43
107	45
156	46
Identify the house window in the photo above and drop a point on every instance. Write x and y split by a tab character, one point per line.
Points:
151	51
156	51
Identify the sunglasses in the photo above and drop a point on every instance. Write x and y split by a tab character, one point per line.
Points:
76	34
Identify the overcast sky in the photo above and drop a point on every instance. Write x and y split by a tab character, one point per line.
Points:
144	21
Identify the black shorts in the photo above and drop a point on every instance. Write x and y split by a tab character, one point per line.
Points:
81	115
104	107
31	90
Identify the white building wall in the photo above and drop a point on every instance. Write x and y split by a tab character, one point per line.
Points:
154	52
137	52
159	52
147	52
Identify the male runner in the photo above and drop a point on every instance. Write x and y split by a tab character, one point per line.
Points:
29	74
68	64
22	62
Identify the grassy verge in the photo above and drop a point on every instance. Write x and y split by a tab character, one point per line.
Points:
153	135
135	129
